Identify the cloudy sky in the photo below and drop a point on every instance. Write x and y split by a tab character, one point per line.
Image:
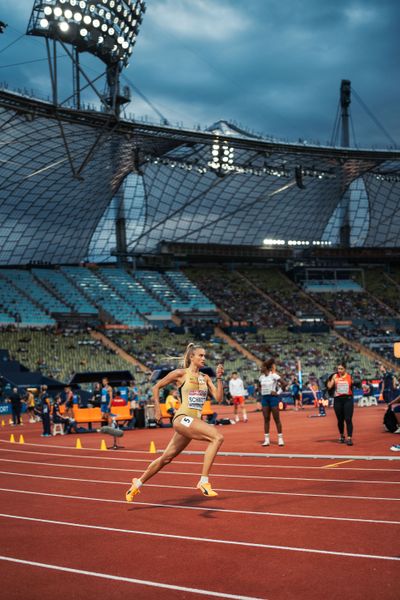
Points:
271	66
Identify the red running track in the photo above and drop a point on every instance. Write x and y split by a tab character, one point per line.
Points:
280	528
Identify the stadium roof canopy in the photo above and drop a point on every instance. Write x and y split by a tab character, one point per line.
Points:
67	175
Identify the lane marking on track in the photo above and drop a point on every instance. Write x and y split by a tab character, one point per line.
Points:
389	458
312	456
194	474
77	455
183	487
342	462
205	508
171	536
156	584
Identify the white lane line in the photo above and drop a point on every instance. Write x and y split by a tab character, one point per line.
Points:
205	508
193	474
77	454
331	456
183	487
156	584
190	538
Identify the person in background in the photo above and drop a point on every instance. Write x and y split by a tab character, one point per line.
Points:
68	423
69	402
30	405
172	403
237	392
44	408
14	398
271	382
341	383
106	400
388	384
133	395
95	400
296	393
123	392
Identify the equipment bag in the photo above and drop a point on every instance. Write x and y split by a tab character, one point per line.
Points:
390	421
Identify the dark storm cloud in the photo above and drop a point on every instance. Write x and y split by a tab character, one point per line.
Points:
274	66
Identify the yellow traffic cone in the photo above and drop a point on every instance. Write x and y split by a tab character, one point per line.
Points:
21	439
3	423
78	444
103	445
12	439
152	449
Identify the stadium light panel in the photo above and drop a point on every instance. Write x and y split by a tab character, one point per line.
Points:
118	20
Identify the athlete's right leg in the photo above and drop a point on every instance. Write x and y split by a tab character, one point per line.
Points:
175	446
266	410
339	412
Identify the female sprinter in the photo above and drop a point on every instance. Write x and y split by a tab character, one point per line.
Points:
194	387
270	382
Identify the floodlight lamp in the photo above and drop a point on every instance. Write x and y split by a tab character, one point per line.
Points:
83	32
52	16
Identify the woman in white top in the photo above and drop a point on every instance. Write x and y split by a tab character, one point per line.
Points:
271	382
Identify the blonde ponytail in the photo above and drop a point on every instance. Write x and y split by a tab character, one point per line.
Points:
190	350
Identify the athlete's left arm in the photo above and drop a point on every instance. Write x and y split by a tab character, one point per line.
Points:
217	392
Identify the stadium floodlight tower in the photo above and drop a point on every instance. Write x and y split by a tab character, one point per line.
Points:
105	28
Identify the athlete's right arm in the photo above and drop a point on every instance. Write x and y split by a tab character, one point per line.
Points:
173	377
331	382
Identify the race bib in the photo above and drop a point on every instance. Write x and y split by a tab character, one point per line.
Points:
342	388
196	399
187	421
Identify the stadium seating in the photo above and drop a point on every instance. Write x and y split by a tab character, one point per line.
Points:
55	280
18	306
195	298
135	294
104	296
62	355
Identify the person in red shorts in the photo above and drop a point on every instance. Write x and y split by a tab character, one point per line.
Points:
237	392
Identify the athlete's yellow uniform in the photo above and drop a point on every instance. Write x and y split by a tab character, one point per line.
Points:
193	393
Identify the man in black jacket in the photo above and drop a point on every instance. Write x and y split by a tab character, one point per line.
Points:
14	398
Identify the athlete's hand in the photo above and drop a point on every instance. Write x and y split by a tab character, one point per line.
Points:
220	371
